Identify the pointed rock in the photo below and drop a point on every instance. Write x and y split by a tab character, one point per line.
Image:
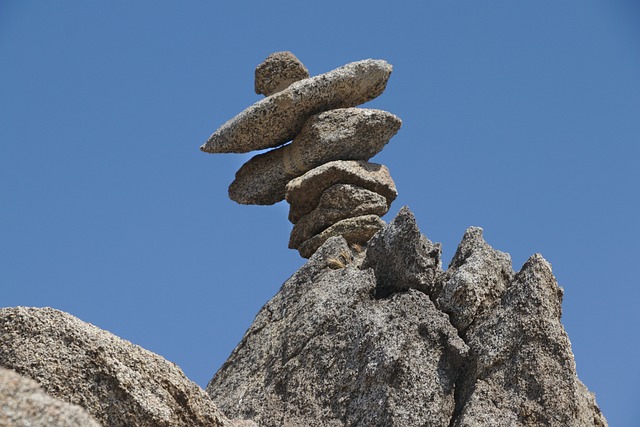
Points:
338	202
304	193
356	230
402	258
277	72
278	118
342	134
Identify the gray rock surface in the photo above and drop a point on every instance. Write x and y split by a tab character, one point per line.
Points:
325	352
117	382
356	230
25	404
276	119
303	193
341	134
277	72
354	338
338	202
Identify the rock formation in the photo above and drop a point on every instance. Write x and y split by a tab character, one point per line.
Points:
384	337
316	114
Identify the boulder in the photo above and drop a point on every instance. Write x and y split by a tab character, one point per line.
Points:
356	230
278	118
304	193
117	382
338	202
341	134
25	404
277	72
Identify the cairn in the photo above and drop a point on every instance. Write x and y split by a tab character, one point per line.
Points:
323	173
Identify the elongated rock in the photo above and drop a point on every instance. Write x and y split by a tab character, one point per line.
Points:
277	119
339	202
341	134
277	72
304	193
354	230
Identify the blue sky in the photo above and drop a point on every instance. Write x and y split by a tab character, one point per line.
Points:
519	117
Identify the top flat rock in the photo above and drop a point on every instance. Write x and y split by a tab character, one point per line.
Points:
278	118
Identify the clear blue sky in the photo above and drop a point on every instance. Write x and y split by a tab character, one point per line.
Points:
519	117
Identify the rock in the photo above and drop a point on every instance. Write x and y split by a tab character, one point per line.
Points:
521	370
25	404
325	352
338	202
355	230
303	193
402	258
277	72
477	277
117	382
276	119
341	134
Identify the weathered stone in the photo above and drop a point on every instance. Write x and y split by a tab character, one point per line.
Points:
403	258
355	230
278	118
521	371
25	404
277	72
303	193
338	202
325	352
117	382
341	134
476	279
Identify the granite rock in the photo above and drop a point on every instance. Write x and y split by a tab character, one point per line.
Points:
25	404
338	202
117	382
341	134
303	193
278	118
277	72
356	230
325	352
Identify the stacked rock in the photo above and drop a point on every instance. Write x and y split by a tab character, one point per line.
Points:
324	171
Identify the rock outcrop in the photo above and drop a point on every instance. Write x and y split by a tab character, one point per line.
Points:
381	336
317	114
25	404
117	382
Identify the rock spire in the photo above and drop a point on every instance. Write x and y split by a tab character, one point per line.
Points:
323	172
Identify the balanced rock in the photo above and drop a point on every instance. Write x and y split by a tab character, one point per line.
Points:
25	404
338	202
277	72
117	382
356	230
341	134
278	118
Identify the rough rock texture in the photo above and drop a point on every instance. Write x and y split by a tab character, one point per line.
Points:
371	343
303	193
356	230
117	382
277	72
341	134
325	352
338	202
276	119
25	404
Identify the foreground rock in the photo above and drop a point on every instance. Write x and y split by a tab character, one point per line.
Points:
25	404
341	134
278	118
371	344
117	382
277	72
304	193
